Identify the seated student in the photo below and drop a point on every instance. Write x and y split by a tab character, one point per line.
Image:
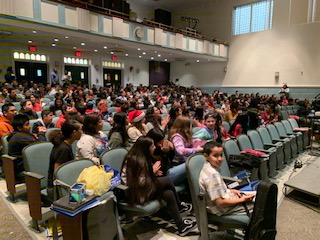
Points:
137	127
240	125
90	109
62	151
208	131
220	199
44	121
141	174
66	108
118	136
20	138
26	109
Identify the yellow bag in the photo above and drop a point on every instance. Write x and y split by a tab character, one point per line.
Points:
96	179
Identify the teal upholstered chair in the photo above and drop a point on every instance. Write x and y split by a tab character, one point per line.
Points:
36	158
305	131
257	144
267	141
299	136
115	158
194	165
101	222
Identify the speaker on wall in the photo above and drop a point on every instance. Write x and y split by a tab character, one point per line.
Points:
162	16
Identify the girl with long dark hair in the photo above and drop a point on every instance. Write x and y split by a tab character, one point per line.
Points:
118	136
140	173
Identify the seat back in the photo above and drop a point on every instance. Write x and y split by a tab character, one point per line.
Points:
49	131
36	159
58	112
265	135
194	166
17	106
284	115
112	109
31	123
273	131
287	126
231	121
114	158
55	120
255	139
69	172
226	125
293	123
280	128
244	142
47	101
5	144
224	168
106	126
230	147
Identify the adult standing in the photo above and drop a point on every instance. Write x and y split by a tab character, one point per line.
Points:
54	77
10	75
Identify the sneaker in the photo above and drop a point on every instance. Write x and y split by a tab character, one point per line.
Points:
185	207
187	226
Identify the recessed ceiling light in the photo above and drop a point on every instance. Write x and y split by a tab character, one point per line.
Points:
56	40
152	58
155	51
198	60
165	60
34	31
159	55
170	54
144	53
30	41
96	50
139	49
127	54
111	52
74	47
116	45
82	44
139	56
66	37
53	44
105	47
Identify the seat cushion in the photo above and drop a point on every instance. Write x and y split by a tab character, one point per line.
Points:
241	220
147	209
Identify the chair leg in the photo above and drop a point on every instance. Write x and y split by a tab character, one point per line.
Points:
35	226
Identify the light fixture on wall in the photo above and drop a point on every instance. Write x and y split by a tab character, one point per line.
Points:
225	69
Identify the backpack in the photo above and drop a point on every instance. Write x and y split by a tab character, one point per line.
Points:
262	224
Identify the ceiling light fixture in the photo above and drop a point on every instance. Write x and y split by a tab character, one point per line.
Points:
34	31
144	53
198	60
152	58
139	49
139	56
105	47
165	60
111	52
53	44
74	47
56	40
83	44
159	55
127	54
96	50
66	37
30	41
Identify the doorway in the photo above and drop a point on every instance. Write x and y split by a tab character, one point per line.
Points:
112	78
79	74
31	71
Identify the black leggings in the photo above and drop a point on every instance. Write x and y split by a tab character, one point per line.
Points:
170	196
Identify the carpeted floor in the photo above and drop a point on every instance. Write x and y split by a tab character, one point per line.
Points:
296	222
10	226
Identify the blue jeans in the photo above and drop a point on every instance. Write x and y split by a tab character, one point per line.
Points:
177	174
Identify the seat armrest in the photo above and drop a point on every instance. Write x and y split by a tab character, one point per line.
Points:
278	140
264	151
231	179
270	145
33	175
122	187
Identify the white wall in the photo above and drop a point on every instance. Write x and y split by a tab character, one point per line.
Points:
291	50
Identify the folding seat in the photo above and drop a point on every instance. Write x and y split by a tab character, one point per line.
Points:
289	131
230	147
283	134
306	132
226	125
194	166
286	141
282	153
244	143
257	144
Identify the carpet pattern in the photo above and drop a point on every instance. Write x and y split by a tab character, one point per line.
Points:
295	222
10	227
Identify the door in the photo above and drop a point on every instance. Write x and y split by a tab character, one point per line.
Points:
112	77
79	74
31	71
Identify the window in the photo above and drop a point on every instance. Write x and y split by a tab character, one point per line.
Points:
253	17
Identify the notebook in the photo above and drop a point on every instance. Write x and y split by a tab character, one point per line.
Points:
63	203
